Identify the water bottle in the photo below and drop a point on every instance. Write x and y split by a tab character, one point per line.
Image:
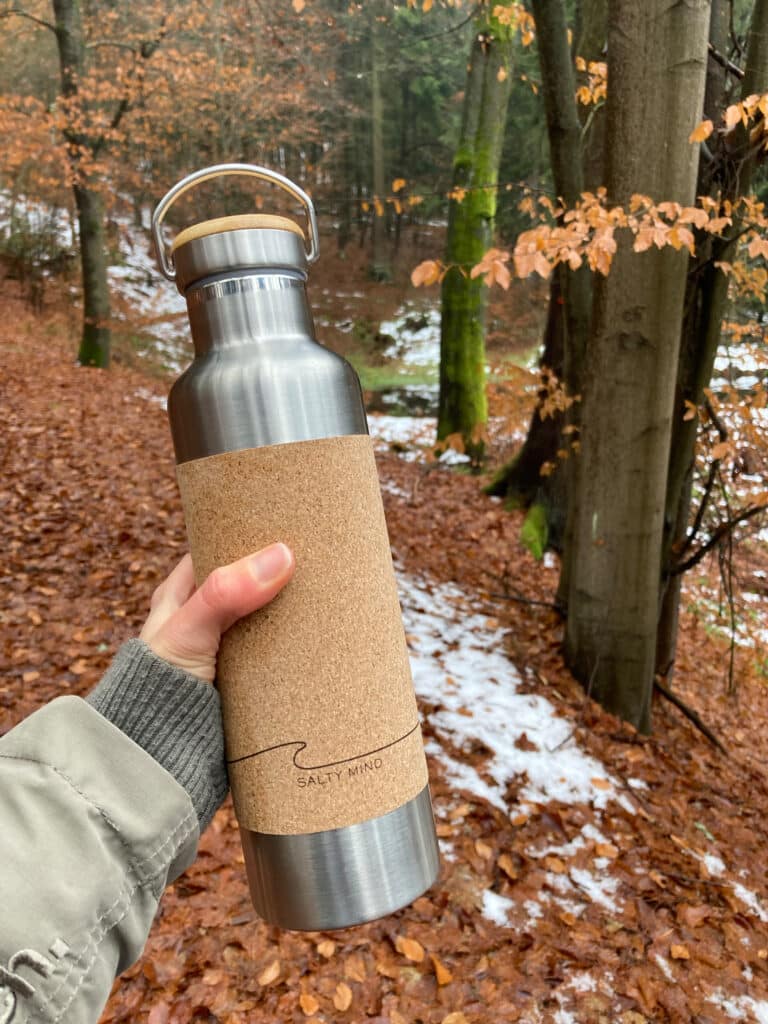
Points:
323	742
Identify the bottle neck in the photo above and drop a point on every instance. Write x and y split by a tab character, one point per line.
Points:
233	310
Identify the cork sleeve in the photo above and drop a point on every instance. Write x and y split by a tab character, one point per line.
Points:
320	717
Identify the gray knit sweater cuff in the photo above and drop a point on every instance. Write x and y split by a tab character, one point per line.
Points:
174	716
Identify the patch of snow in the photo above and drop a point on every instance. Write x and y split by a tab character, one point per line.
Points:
663	963
415	333
389	487
484	704
450	457
402	430
533	910
737	1007
582	983
600	890
564	1017
750	899
150	396
497	908
714	865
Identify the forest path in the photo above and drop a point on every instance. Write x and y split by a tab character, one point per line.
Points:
590	875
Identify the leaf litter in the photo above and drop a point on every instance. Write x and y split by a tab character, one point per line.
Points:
578	866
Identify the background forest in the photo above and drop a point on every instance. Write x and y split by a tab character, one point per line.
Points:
543	248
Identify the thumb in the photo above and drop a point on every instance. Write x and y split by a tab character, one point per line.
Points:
187	632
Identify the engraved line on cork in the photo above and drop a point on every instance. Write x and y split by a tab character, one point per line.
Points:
301	745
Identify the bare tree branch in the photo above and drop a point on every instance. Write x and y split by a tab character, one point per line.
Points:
723	61
690	714
18	13
722	531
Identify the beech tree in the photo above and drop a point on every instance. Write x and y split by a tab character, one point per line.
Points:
657	62
463	407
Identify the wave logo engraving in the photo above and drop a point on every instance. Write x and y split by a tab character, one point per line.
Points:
301	745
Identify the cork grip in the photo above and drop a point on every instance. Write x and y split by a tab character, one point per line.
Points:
320	717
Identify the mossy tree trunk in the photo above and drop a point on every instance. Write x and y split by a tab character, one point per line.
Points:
728	170
95	340
463	405
657	63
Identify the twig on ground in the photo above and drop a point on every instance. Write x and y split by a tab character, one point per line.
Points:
690	714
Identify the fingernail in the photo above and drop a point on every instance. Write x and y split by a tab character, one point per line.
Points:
270	563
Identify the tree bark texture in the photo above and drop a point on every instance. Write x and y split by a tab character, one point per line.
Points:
95	340
570	300
463	405
657	53
381	268
729	170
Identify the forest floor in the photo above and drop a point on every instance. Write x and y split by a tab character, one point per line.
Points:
590	874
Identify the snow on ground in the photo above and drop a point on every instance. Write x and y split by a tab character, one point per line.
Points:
415	334
739	1007
459	665
153	301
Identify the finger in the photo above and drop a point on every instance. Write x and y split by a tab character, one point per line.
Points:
171	594
190	637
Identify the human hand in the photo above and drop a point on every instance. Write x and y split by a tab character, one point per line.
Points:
185	624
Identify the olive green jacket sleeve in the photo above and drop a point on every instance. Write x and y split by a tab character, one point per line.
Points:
92	829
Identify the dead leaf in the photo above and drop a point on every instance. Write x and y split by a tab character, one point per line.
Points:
298	5
442	974
679	952
308	1004
455	1018
354	968
269	974
410	948
483	849
607	850
342	998
555	864
507	865
326	948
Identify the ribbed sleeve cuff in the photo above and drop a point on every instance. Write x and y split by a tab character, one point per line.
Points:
173	716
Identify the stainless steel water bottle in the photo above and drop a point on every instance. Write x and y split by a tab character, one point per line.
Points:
323	742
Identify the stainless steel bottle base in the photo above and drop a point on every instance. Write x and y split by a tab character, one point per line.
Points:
345	876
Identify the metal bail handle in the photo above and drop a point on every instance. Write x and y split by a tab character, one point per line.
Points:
165	259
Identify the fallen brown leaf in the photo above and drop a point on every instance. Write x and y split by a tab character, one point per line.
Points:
410	948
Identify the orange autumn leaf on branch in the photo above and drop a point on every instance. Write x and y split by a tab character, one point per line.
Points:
428	272
701	131
493	267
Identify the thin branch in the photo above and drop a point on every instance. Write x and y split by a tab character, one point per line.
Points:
726	574
722	531
732	31
435	35
96	43
702	508
723	61
690	714
29	17
525	600
719	425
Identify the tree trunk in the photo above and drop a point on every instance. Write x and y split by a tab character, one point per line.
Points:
730	170
463	406
95	341
381	267
570	299
657	54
